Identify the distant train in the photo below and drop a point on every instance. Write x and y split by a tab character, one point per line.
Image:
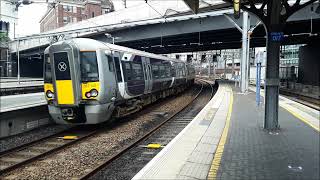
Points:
88	81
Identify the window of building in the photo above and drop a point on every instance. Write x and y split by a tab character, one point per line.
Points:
67	8
74	9
92	14
106	10
65	20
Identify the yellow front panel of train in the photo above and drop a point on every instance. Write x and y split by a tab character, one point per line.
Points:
48	87
64	90
87	87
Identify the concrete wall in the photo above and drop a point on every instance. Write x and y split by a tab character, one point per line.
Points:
309	65
15	122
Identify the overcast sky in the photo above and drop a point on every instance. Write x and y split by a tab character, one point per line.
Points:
30	15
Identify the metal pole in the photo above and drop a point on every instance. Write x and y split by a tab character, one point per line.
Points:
18	56
244	51
233	74
248	62
200	73
209	67
225	65
258	77
272	66
7	65
214	70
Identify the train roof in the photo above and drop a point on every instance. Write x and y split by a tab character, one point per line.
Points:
87	44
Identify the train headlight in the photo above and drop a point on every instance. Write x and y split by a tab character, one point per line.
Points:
94	93
49	94
88	94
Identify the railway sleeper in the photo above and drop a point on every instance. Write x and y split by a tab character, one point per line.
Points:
136	104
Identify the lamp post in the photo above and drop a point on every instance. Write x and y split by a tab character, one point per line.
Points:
112	37
17	4
18	58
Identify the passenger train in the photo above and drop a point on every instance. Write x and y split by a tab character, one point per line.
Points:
89	81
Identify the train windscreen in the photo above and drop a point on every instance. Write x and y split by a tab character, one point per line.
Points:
47	69
89	66
62	67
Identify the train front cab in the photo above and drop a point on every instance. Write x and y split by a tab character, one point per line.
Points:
81	92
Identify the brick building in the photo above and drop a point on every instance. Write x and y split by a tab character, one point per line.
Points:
72	11
8	22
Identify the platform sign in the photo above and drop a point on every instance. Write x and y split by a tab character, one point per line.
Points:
276	36
236	8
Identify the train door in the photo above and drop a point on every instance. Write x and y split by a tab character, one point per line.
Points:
110	77
148	75
118	72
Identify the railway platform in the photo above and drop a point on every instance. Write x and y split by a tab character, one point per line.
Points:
22	112
24	82
21	101
10	86
226	140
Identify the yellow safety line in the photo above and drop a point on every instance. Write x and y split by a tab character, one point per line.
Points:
218	155
300	117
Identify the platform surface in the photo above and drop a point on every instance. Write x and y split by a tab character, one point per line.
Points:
239	148
253	153
21	101
189	155
24	82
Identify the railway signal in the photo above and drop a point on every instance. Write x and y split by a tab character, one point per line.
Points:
236	8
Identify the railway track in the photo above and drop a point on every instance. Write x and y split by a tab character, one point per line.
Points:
307	101
129	160
16	157
20	158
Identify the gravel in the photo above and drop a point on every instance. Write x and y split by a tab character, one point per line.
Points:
131	162
26	137
74	161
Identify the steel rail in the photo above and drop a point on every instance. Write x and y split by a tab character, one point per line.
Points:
149	133
26	145
37	142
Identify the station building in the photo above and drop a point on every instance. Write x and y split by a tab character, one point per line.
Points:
8	23
72	11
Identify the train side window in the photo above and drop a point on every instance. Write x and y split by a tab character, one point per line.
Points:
168	70
47	67
155	71
127	71
137	73
110	64
145	72
162	71
118	70
150	72
173	71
